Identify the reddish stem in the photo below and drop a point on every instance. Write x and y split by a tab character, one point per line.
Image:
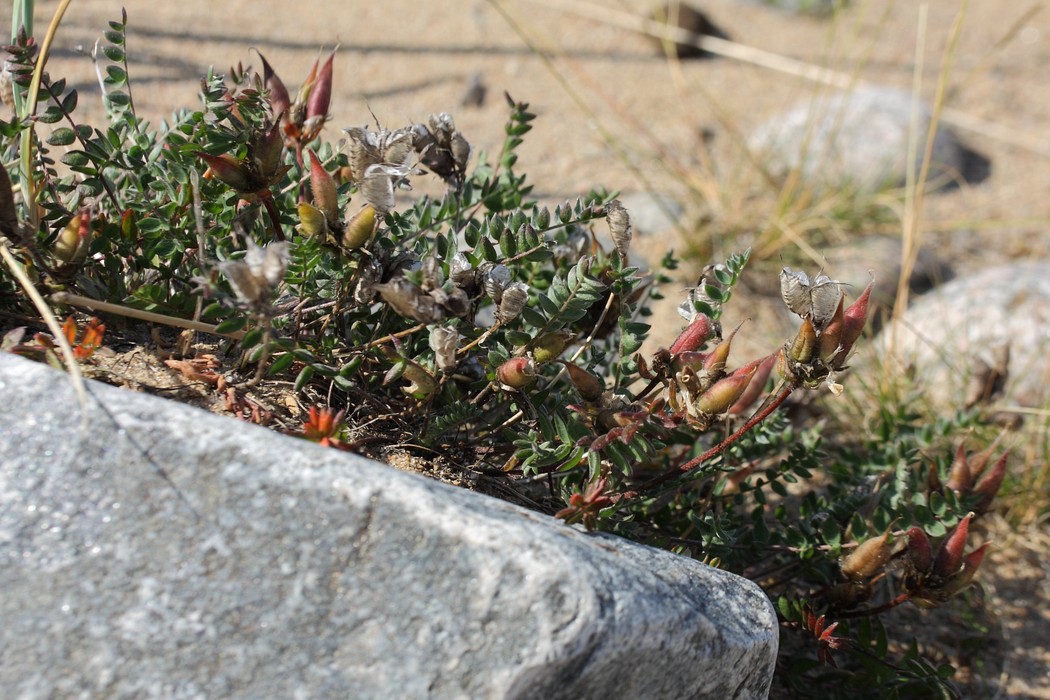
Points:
692	464
275	218
868	612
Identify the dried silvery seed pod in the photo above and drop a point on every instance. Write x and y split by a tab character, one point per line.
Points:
495	279
368	148
255	277
460	271
377	186
444	341
433	277
819	299
824	300
794	290
514	299
619	226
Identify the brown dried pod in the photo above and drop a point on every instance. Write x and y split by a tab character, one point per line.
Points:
410	301
371	273
866	560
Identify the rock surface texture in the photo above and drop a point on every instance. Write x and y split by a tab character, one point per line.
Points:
156	551
857	139
952	336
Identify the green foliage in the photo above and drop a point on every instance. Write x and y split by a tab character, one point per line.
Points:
484	323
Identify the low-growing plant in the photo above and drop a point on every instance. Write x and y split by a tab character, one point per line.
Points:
481	322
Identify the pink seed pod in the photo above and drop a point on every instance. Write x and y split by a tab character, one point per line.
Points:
950	555
280	102
323	187
757	385
920	553
724	393
321	93
960	478
517	373
854	319
694	336
988	485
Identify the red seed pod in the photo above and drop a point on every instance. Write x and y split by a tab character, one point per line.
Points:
279	99
230	171
322	184
950	555
959	477
694	336
517	373
587	385
988	485
832	333
724	393
971	562
321	93
757	385
854	319
920	553
265	151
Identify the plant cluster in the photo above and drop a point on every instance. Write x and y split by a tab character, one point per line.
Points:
481	322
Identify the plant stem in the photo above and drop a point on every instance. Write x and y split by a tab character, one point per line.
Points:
107	307
692	464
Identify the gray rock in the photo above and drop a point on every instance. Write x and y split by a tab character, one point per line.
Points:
951	336
881	256
156	551
856	139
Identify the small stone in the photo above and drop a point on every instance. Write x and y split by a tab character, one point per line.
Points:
856	140
952	335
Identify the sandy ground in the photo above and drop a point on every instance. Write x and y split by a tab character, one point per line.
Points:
614	112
